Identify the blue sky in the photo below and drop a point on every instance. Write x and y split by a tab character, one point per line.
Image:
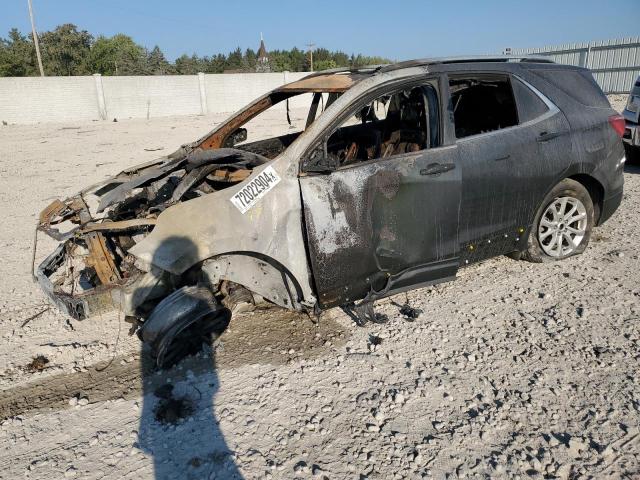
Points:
395	29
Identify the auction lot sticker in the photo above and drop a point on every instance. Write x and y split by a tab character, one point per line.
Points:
257	188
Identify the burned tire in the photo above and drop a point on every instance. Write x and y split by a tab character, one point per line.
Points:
182	322
563	224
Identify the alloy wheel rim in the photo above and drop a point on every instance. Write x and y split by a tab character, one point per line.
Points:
562	227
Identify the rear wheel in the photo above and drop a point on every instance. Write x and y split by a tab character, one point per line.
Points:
563	224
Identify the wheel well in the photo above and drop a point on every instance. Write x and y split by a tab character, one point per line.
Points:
595	189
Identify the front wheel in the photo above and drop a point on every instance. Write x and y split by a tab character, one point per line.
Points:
182	322
563	224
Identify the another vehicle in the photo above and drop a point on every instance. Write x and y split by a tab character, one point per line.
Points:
631	115
402	174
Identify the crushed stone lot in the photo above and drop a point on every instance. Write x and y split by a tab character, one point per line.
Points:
515	370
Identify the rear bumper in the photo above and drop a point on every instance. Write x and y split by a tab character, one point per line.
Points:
631	134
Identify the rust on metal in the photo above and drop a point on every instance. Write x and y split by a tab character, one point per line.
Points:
100	259
216	139
230	176
330	83
53	209
118	226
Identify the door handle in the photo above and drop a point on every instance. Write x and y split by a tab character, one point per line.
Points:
546	136
437	168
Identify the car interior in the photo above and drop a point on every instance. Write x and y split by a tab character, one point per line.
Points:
482	104
402	122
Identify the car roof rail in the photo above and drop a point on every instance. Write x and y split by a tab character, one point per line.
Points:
388	67
468	59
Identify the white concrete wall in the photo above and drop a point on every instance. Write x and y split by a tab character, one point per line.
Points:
152	96
61	99
49	99
230	91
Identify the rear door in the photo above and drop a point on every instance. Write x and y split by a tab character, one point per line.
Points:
510	143
385	215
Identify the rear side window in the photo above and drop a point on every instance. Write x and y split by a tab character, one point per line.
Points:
482	103
530	105
578	84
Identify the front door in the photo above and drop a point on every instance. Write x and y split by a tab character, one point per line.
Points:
385	218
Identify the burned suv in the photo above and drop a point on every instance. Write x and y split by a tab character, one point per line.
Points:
399	175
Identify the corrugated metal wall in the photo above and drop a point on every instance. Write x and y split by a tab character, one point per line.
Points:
615	63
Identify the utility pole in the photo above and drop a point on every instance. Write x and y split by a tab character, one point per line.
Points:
35	39
311	46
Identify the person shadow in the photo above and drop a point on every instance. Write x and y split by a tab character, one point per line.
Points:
178	426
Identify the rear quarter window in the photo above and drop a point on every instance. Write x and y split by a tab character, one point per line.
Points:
578	84
530	105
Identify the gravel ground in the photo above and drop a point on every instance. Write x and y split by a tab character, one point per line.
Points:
618	101
514	370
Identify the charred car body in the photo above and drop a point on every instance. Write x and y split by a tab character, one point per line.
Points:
402	174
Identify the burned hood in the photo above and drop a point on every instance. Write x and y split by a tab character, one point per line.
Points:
196	166
138	194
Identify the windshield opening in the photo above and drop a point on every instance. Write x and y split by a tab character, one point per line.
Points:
268	126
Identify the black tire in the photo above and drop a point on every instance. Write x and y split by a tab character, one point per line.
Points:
566	188
182	322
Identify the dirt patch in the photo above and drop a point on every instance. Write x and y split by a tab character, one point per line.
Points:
38	364
271	336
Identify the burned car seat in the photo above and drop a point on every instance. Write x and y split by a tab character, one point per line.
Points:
405	124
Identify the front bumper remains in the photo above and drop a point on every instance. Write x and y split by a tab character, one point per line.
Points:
79	305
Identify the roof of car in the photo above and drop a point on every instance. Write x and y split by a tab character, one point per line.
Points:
387	67
341	79
469	59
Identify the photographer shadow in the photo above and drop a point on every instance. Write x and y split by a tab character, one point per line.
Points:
178	426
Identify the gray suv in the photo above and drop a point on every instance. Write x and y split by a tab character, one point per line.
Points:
396	177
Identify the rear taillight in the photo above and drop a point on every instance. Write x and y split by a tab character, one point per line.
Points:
617	123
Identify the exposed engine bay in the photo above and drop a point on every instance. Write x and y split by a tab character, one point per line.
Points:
99	225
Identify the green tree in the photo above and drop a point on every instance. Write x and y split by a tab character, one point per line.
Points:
118	55
280	61
341	59
65	50
157	64
250	60
234	60
188	65
17	55
216	63
69	51
324	64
